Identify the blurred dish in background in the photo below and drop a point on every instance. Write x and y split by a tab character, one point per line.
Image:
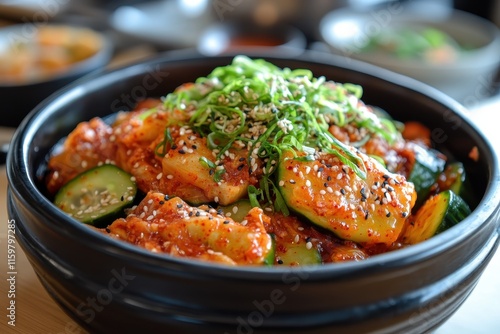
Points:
166	24
33	10
46	52
418	43
37	60
451	50
302	14
233	37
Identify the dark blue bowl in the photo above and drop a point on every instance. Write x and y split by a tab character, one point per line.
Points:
110	286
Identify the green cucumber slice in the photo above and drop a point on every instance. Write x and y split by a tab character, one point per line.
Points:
437	214
238	210
271	256
425	172
297	254
97	194
453	178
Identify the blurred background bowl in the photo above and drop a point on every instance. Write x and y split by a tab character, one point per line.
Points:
37	60
240	37
464	71
167	25
411	290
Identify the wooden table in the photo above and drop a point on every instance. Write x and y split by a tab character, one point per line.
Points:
36	312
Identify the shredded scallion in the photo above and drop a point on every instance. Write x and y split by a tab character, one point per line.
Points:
272	110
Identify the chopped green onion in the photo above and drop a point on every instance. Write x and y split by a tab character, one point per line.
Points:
207	163
271	110
162	148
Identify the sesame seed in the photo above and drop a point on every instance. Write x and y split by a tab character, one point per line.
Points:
322	192
308	183
297	238
159	176
309	245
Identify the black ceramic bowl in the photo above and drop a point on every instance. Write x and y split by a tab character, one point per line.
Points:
110	286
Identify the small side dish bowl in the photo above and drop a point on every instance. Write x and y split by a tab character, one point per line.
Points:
233	37
461	58
107	285
35	61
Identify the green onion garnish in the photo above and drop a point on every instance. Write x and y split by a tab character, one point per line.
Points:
270	110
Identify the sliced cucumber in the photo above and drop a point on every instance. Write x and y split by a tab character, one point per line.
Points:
453	178
97	194
297	254
238	210
436	215
425	172
270	258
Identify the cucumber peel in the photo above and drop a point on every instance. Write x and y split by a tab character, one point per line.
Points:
97	194
437	214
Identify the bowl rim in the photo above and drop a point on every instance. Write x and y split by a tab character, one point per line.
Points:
98	59
417	17
22	183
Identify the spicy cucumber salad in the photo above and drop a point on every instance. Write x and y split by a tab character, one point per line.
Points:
259	165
